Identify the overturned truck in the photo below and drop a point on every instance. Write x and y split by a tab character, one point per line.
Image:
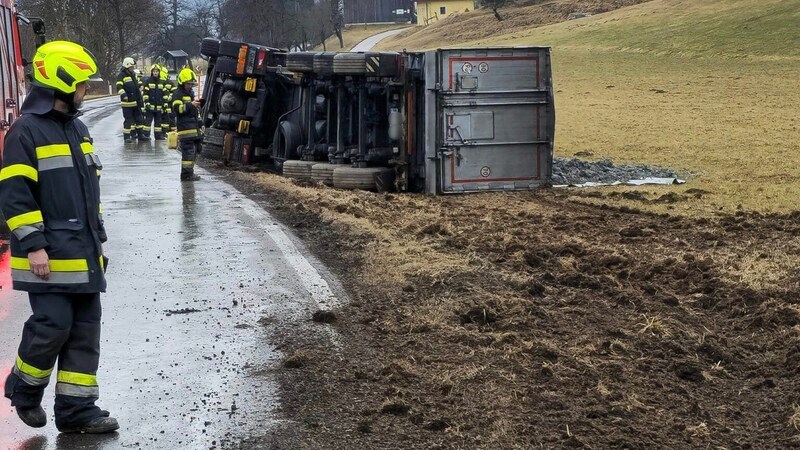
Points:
443	121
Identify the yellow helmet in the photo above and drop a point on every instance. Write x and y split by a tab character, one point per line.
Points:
187	76
164	74
158	68
61	65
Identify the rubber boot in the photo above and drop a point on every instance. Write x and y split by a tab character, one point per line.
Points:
99	425
33	417
190	177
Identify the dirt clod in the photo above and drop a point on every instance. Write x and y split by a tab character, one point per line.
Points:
323	316
365	426
395	406
478	315
436	425
689	372
296	361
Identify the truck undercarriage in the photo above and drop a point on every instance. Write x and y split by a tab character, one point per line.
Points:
444	121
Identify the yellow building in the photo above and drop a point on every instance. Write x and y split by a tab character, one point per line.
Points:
431	11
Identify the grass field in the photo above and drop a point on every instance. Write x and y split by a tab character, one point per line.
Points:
708	88
354	34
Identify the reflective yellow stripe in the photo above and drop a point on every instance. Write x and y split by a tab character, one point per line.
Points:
102	265
187	132
87	147
28	218
49	151
32	371
126	79
81	379
56	265
187	163
19	170
129	103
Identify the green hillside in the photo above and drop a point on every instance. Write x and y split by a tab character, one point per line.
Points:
709	88
733	28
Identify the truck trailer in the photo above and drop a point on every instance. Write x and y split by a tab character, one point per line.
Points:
441	121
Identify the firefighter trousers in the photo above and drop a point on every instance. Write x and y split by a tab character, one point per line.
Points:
190	148
63	327
153	117
133	125
165	126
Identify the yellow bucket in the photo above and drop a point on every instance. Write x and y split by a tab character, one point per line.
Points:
172	139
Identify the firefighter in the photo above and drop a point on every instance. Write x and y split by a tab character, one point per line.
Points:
154	95
50	196
187	119
167	119
131	99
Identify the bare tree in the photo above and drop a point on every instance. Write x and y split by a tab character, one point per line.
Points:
111	29
494	5
337	19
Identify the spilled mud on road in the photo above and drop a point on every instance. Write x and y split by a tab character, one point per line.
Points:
520	320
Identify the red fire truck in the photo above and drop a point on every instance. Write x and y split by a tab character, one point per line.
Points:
17	44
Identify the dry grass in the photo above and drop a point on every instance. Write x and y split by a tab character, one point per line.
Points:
763	269
655	326
707	88
794	420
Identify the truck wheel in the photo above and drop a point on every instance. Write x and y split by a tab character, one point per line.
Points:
230	48
323	173
368	178
212	151
300	170
209	47
286	141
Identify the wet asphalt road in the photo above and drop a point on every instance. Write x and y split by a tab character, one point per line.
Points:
196	271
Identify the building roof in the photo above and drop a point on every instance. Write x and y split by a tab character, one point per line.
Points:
176	53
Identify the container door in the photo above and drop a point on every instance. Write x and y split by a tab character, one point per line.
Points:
496	107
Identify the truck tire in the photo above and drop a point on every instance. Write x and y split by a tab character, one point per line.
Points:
209	47
323	173
302	62
226	65
230	49
368	178
212	151
300	170
286	141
